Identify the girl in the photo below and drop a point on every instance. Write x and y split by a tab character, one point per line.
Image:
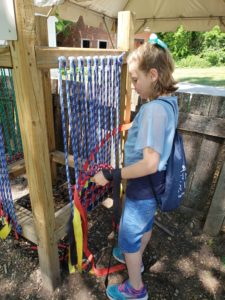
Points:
147	150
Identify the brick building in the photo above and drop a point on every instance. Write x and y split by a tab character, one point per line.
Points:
84	36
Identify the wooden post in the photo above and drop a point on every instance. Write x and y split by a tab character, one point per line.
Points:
216	214
125	41
44	75
31	111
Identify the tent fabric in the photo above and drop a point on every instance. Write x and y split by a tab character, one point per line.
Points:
43	3
160	15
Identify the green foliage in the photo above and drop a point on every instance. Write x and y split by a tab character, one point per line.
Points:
214	57
214	39
62	25
193	61
178	42
196	49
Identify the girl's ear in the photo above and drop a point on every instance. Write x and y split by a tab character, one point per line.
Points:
154	74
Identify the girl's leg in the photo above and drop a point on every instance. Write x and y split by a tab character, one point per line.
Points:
133	262
144	241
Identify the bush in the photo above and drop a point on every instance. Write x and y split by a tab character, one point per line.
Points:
214	57
214	39
193	61
196	49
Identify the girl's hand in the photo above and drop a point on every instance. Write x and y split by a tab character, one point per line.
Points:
99	179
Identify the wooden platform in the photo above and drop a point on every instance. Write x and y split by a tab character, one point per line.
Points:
25	219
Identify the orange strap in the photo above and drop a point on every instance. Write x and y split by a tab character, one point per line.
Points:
83	214
87	252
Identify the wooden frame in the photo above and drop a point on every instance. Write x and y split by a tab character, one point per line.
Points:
31	60
5	57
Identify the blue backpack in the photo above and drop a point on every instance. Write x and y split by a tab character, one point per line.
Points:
176	175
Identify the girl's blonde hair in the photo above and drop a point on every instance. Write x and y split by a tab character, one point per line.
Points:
149	56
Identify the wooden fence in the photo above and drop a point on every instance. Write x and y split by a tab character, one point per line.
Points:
202	124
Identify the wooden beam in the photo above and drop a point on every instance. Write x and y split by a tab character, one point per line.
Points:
47	57
44	76
211	126
17	168
5	57
59	157
31	112
25	219
61	220
125	42
216	214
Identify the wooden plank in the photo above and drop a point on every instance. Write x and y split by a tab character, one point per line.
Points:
25	219
17	168
216	214
125	42
44	76
59	157
200	104
203	176
200	191
5	57
192	145
184	100
31	112
218	107
61	221
48	57
223	226
207	125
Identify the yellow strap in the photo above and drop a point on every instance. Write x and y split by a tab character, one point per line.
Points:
4	232
78	234
71	267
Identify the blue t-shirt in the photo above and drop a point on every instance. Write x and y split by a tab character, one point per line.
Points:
154	126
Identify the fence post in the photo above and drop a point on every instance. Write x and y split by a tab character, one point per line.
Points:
216	214
31	112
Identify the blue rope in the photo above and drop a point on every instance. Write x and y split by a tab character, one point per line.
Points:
103	106
91	105
92	109
96	105
62	68
72	117
118	62
82	106
109	105
6	193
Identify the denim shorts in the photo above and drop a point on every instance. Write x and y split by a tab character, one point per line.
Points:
137	218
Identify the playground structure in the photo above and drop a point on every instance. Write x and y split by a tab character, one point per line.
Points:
30	59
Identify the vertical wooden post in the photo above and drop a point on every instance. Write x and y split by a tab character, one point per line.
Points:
216	214
125	41
44	74
31	111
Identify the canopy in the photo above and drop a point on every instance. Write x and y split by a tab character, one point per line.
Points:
160	15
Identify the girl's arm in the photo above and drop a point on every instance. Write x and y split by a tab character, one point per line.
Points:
148	165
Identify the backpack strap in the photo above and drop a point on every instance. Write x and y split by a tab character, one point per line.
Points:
150	180
167	101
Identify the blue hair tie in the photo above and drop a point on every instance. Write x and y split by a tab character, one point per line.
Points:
153	39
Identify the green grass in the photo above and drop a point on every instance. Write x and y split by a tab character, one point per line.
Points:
214	76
